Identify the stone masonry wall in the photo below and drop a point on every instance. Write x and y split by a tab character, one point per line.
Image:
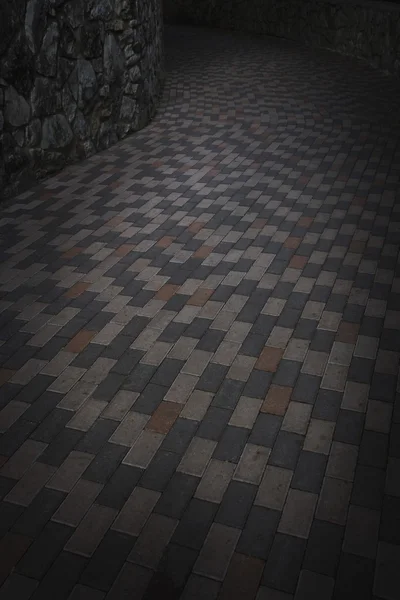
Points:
369	30
75	77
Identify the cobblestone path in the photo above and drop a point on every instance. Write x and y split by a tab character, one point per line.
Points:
200	341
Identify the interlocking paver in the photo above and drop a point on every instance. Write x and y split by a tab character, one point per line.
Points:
61	576
136	510
342	461
177	495
258	533
324	548
355	396
91	530
143	449
286	450
11	413
334	500
152	541
298	513
246	412
18	586
70	471
34	518
119	486
314	585
44	550
274	488
319	436
212	354
252	463
309	472
215	481
77	503
195	523
30	484
297	417
385	583
354	570
13	547
22	459
362	530
217	551
197	456
284	562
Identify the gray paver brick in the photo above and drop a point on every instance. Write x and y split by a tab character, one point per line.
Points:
252	463
87	414
314	584
217	551
11	413
91	530
22	459
152	541
297	417
30	484
319	436
298	513
215	481
130	428
70	471
246	412
362	530
18	586
77	503
334	500
120	404
143	450
355	396
342	461
197	456
386	577
136	511
274	488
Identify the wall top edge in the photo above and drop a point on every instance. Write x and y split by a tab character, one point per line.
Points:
376	5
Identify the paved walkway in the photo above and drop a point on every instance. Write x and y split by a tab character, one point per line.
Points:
200	343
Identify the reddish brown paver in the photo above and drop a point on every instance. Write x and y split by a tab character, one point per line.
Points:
298	262
269	359
304	221
72	252
203	252
259	223
117	220
124	249
242	578
292	242
165	241
164	417
166	292
347	332
277	400
200	297
80	341
77	289
196	226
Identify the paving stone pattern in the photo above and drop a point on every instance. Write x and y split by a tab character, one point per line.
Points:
199	343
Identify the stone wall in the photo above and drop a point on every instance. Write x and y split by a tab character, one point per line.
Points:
75	77
369	30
